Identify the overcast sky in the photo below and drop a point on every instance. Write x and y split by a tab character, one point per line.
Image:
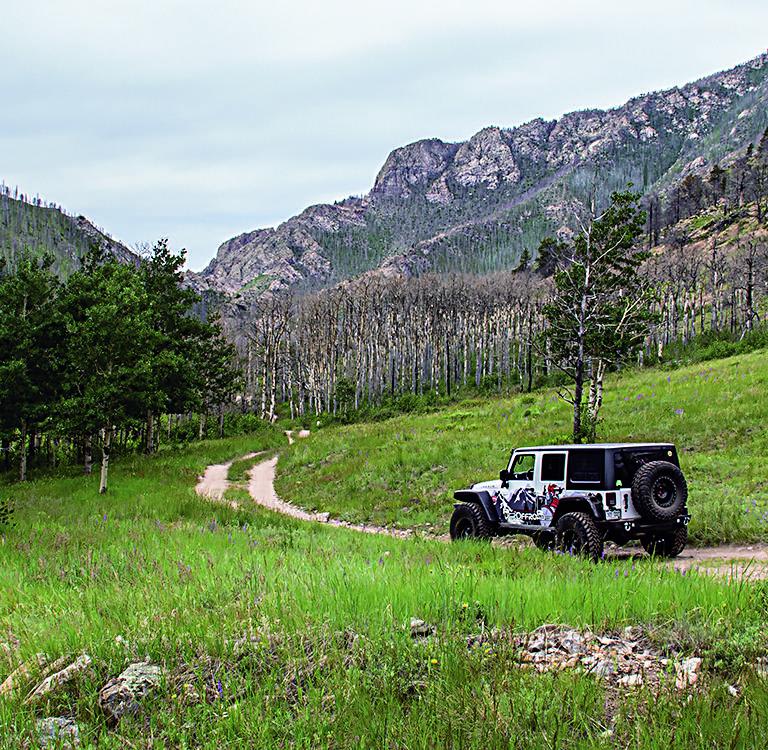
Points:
198	121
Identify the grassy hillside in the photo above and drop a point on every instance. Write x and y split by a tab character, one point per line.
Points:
403	471
274	633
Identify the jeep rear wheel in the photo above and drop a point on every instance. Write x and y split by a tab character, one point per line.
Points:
670	544
577	534
659	491
469	522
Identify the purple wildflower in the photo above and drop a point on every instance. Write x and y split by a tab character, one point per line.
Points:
219	688
639	396
679	412
616	573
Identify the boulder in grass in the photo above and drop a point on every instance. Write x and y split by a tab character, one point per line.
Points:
57	732
60	677
121	695
420	629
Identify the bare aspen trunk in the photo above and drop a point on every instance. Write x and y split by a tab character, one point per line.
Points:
221	421
107	443
201	425
23	452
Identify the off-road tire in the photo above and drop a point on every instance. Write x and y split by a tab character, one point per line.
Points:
670	544
546	541
659	491
469	522
577	534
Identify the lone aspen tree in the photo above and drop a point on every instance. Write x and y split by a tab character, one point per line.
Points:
599	310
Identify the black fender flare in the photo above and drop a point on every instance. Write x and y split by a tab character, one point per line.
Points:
481	498
591	504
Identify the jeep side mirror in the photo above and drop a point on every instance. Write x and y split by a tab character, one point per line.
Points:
504	475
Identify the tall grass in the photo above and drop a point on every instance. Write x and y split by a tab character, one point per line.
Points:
276	633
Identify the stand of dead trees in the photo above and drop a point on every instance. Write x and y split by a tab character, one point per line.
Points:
365	341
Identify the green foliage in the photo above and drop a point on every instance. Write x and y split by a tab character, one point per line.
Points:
599	311
113	345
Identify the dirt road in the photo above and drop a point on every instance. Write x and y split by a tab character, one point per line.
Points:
731	560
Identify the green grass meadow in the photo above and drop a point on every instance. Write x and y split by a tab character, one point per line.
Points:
403	471
280	634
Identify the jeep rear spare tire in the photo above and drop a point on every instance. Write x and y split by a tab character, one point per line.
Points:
577	534
469	522
659	491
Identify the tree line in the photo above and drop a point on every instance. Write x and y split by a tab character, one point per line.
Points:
102	353
587	305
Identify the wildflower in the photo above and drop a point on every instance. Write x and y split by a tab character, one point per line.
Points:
669	379
616	573
679	412
639	396
381	561
626	574
219	689
433	661
464	606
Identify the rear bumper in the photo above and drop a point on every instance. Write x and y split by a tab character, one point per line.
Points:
640	527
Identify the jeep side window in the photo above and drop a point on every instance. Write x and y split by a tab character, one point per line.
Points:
553	467
585	467
522	467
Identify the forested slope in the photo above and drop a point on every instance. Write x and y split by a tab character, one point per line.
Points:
30	227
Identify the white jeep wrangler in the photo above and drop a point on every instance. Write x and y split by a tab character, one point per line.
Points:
576	497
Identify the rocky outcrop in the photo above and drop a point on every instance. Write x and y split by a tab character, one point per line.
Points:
57	733
122	694
431	197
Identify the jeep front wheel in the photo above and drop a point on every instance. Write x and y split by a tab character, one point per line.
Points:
666	545
577	534
469	522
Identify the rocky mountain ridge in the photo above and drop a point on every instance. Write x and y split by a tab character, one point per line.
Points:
474	206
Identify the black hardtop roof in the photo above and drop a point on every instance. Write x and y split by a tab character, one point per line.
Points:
598	446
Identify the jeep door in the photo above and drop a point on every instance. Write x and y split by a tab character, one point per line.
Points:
522	472
552	466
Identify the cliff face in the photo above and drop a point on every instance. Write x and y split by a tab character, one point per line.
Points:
474	206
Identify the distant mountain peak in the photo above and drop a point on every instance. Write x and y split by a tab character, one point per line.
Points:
475	205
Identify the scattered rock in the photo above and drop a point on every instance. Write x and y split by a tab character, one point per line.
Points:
761	667
687	672
420	629
625	660
60	677
121	695
733	690
23	673
58	732
631	680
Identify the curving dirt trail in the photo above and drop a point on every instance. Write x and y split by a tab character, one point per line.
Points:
262	489
730	560
214	482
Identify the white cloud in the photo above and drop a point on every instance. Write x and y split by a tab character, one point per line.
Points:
201	120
